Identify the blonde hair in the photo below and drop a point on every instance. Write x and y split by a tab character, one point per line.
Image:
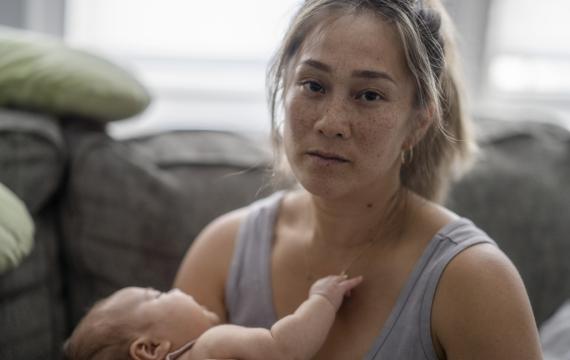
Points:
426	33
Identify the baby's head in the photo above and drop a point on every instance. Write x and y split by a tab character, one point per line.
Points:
138	323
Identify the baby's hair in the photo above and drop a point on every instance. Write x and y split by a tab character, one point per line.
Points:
99	336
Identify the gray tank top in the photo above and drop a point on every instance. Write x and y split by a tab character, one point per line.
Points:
407	331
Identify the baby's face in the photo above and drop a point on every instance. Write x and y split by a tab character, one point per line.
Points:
172	315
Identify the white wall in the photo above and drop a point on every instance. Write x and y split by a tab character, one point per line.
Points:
38	15
12	13
471	19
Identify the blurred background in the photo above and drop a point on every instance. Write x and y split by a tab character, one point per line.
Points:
205	61
122	210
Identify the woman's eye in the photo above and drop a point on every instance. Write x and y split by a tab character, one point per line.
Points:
370	96
312	86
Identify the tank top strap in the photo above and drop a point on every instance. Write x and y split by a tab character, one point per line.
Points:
452	242
407	331
249	299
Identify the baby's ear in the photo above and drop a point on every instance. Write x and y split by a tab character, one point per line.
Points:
144	348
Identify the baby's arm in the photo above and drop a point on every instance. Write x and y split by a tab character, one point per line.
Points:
296	336
303	333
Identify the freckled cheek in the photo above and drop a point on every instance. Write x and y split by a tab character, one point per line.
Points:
378	137
371	141
300	114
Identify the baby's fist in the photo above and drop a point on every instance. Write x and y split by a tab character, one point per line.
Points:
334	288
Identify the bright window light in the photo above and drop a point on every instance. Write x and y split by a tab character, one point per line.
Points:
529	47
525	74
204	61
242	29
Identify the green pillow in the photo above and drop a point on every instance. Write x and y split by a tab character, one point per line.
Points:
16	230
40	73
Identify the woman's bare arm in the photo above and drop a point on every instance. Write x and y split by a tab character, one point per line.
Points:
481	309
205	267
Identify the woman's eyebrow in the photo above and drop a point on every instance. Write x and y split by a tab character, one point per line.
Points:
372	74
366	74
317	64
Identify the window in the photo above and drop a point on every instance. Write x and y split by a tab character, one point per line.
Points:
529	53
204	61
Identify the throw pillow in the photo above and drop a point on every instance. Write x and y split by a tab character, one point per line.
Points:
42	74
16	230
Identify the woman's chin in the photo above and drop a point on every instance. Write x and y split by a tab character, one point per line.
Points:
323	187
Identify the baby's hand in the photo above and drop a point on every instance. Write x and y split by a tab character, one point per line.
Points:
334	288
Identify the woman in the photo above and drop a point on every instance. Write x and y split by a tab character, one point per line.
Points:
372	131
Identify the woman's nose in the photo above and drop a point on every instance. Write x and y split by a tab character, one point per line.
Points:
334	122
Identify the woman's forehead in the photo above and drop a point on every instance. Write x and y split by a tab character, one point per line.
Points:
356	41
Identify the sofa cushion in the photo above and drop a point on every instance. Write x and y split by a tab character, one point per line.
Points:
32	156
132	208
32	162
32	317
43	74
518	193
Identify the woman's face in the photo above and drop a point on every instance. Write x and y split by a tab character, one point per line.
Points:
348	107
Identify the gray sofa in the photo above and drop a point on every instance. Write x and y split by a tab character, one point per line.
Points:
115	213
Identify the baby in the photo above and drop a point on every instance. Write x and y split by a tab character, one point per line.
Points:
146	324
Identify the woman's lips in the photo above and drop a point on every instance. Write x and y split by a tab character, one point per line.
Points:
327	157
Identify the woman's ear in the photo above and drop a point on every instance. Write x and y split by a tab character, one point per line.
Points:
144	348
420	125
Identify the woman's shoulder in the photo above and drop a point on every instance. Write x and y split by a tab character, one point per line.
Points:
481	297
481	265
437	221
221	233
471	260
211	250
480	306
204	269
225	227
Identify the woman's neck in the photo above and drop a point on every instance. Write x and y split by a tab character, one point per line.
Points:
352	223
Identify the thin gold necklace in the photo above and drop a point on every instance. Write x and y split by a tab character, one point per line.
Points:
311	276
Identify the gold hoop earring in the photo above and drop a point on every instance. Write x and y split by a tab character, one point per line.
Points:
407	158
